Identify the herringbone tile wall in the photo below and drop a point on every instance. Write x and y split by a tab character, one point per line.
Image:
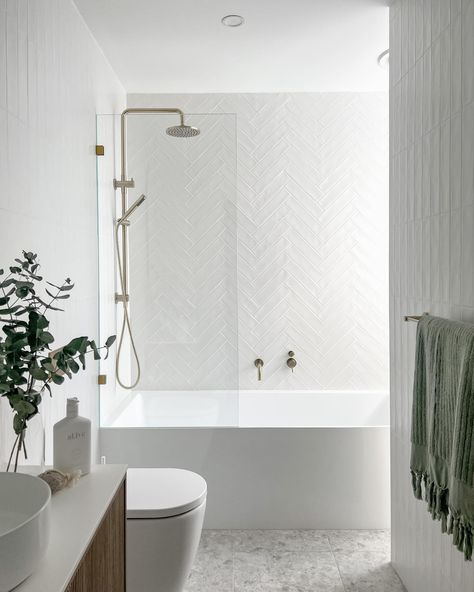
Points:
267	233
432	243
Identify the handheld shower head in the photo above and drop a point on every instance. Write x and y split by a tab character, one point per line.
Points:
136	204
183	131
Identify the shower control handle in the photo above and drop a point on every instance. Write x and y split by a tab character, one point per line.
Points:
259	365
291	362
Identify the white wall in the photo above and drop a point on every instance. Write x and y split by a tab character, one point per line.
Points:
432	242
312	226
53	80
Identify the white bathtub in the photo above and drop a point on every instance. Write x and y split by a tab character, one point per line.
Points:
272	459
266	409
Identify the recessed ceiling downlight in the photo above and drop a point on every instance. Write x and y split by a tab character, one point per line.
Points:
384	59
233	20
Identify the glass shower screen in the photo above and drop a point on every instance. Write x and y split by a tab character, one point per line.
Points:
182	271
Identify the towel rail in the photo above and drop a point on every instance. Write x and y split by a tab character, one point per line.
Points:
414	318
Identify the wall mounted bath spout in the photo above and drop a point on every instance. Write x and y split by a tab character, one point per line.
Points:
259	365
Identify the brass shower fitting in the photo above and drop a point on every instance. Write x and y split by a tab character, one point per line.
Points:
291	362
122	224
258	363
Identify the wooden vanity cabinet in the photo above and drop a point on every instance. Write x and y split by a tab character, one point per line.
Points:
102	568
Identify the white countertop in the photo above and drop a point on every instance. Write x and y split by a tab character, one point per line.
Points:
75	516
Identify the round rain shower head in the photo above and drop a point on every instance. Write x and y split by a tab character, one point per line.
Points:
183	131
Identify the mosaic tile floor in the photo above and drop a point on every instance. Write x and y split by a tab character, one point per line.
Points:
294	561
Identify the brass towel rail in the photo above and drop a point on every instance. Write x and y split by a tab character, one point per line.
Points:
414	318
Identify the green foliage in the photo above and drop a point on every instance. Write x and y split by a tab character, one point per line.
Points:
28	366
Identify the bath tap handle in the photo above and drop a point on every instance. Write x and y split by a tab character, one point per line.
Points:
291	362
259	365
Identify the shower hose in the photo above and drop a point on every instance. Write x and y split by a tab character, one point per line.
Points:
126	325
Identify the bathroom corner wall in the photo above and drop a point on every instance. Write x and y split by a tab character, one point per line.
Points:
53	80
431	244
312	248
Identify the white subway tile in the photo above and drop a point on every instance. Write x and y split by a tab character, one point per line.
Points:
403	186
418	116
455	178
426	249
468	54
426	186
436	81
434	232
435	19
418	179
22	59
427	89
468	154
444	256
13	98
418	258
445	75
404	118
3	60
4	178
455	8
426	24
418	29
411	106
410	174
456	65
467	260
444	166
444	14
404	38
395	54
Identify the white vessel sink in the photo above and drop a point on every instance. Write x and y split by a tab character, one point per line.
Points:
24	526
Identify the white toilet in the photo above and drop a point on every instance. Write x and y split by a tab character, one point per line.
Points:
165	512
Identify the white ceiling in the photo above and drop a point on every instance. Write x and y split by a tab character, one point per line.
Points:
175	46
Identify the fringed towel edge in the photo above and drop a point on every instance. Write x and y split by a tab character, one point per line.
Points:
437	500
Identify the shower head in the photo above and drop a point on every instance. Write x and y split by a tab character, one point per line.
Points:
136	204
183	131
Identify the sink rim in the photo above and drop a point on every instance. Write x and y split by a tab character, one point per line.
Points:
43	485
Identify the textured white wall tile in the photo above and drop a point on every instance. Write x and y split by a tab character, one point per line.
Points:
426	23
467	164
456	64
443	269
445	75
444	166
435	19
435	91
455	6
467	53
311	230
53	80
455	177
427	98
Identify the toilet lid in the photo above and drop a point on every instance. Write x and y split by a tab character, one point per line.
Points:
161	493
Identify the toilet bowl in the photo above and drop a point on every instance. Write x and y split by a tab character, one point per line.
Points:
165	512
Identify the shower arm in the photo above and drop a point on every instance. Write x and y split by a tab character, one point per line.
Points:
125	183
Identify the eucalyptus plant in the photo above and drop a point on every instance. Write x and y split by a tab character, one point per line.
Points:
28	366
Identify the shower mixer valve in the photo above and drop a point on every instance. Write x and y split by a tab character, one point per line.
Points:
291	362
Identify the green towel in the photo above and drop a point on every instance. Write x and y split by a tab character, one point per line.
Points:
442	435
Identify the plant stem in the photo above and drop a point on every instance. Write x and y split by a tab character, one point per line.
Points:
11	453
18	448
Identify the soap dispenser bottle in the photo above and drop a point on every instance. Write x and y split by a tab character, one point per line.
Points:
72	441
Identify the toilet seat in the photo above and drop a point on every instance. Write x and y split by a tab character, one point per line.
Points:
163	493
